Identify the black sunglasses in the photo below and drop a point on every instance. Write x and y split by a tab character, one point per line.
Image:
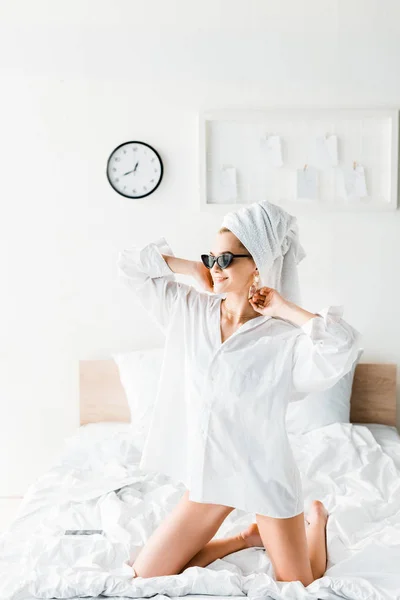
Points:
223	260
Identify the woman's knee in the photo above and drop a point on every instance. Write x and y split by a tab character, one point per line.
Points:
305	579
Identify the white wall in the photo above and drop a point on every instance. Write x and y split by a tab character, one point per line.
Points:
80	77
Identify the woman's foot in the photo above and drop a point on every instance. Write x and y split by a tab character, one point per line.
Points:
317	515
251	536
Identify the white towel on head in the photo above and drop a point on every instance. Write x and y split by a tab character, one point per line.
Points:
271	236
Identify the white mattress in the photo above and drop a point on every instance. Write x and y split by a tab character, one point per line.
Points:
96	484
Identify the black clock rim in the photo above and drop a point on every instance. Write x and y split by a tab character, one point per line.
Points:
161	170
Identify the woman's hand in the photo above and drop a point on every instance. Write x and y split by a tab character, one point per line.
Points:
267	302
203	276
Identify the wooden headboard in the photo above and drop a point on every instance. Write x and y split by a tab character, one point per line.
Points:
102	397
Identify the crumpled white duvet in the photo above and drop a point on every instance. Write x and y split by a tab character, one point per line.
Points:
96	484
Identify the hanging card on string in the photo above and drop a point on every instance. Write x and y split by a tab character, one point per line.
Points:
325	151
307	183
273	148
351	182
228	181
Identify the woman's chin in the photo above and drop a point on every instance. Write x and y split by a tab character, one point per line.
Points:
220	286
221	289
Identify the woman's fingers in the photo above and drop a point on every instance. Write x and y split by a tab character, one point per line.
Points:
258	295
254	305
263	292
259	298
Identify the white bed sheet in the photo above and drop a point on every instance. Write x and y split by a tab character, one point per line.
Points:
96	484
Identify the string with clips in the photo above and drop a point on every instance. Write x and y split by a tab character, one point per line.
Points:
354	165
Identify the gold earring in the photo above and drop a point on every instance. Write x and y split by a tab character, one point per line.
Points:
254	285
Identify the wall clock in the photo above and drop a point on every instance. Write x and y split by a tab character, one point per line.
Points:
134	169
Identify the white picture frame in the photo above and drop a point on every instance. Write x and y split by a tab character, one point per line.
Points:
229	141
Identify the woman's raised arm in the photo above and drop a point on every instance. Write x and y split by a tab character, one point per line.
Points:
324	351
145	271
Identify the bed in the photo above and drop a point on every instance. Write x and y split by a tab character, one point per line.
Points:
95	483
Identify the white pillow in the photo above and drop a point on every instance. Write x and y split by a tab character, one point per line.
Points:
323	408
139	371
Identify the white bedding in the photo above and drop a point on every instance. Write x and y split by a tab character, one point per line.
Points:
96	484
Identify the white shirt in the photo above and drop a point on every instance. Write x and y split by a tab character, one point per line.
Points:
219	420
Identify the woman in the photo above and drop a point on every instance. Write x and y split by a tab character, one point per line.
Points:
231	365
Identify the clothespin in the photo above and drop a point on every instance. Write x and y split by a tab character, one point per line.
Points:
305	167
354	164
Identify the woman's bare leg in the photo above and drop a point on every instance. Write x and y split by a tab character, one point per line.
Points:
217	549
316	538
180	536
250	537
295	554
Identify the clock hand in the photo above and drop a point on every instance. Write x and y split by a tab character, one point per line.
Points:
127	173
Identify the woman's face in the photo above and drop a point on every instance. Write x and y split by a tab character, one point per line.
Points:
239	276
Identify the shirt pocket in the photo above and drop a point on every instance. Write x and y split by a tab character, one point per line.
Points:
246	374
259	367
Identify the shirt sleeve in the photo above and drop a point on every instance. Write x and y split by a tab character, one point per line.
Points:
144	270
324	351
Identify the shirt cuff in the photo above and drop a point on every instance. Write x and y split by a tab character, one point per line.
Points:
152	260
334	313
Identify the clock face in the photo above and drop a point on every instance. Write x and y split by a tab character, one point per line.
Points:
134	169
